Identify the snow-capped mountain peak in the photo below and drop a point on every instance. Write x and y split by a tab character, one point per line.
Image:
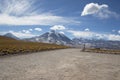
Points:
52	37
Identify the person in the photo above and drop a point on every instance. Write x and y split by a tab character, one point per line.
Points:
83	49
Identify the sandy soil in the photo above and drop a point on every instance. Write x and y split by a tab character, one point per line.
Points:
66	64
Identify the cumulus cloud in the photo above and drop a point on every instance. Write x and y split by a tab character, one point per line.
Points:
87	29
101	11
25	31
91	35
58	27
30	29
119	31
23	12
38	29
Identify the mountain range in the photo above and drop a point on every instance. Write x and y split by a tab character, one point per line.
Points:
54	37
97	43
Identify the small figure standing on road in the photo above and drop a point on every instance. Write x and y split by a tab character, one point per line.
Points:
83	49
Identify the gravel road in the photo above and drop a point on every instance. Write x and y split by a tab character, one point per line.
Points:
64	64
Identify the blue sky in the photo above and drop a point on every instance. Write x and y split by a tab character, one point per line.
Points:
75	18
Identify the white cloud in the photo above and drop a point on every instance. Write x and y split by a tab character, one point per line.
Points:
23	12
30	29
26	31
16	7
91	35
101	11
92	8
34	20
87	29
84	34
58	27
114	37
22	35
38	29
119	31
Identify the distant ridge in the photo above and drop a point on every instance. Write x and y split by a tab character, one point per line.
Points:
6	38
55	37
97	43
10	35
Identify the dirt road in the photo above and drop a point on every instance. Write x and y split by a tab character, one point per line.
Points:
66	64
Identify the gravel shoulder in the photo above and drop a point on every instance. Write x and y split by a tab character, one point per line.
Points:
64	64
